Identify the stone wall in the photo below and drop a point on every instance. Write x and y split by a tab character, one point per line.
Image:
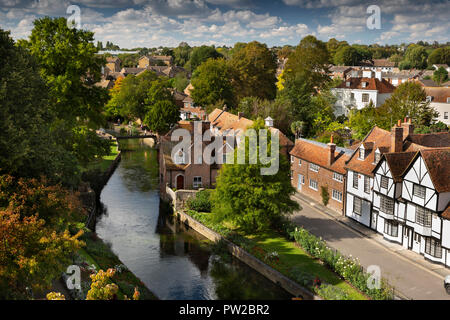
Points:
179	198
256	264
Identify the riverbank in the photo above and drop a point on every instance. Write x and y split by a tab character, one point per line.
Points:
97	255
287	258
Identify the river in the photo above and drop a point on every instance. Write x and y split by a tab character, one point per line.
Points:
174	263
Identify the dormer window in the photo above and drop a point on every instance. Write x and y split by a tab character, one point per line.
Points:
377	156
429	98
362	154
180	157
347	84
364	84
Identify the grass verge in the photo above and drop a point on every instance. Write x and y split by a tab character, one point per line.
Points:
286	257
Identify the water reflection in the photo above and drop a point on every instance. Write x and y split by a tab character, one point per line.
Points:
173	262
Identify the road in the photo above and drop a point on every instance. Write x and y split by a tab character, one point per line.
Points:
410	278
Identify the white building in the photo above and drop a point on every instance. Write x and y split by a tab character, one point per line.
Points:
398	184
358	92
440	101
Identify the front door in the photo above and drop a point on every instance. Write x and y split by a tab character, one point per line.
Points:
180	182
374	219
300	182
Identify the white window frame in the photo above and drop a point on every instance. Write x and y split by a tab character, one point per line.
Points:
299	162
433	247
292	159
391	228
355	200
367	184
365	95
419	191
385	179
424	216
337	195
338	177
316	188
197	184
387	204
314	167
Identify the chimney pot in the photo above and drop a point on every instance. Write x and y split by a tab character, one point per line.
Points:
399	123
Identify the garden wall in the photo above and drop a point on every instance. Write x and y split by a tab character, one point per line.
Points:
267	271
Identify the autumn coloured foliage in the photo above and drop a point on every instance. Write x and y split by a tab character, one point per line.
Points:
36	244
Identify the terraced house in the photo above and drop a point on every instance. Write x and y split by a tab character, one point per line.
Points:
398	184
315	166
411	201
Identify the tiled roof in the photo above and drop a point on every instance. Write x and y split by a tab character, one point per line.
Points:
134	71
415	142
224	121
166	148
439	94
383	63
446	213
382	86
316	152
428	83
398	162
381	139
437	162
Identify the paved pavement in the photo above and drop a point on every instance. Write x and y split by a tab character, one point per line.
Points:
411	275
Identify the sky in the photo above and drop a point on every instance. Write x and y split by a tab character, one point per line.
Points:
154	23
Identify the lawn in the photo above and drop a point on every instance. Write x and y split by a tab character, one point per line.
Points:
105	162
290	259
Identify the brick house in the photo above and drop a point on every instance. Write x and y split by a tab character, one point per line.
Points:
223	122
147	61
180	174
315	165
113	64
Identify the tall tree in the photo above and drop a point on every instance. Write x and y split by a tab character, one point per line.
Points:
439	56
28	146
309	61
212	82
254	201
440	75
70	75
254	68
347	56
416	57
162	116
201	54
408	100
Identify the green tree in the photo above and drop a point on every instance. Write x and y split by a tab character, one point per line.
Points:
28	145
362	121
130	98
416	57
308	62
348	56
439	56
162	116
212	82
201	54
254	68
254	201
70	76
440	75
408	100
181	55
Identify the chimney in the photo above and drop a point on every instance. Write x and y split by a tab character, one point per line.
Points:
397	138
269	122
240	115
331	151
224	107
408	128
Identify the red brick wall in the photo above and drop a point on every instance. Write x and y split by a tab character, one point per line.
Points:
324	178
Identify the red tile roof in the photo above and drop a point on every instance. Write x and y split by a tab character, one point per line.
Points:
437	162
317	153
446	213
398	162
439	94
382	86
224	120
381	139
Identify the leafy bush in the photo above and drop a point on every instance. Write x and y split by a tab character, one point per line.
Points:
330	292
325	195
201	202
347	267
